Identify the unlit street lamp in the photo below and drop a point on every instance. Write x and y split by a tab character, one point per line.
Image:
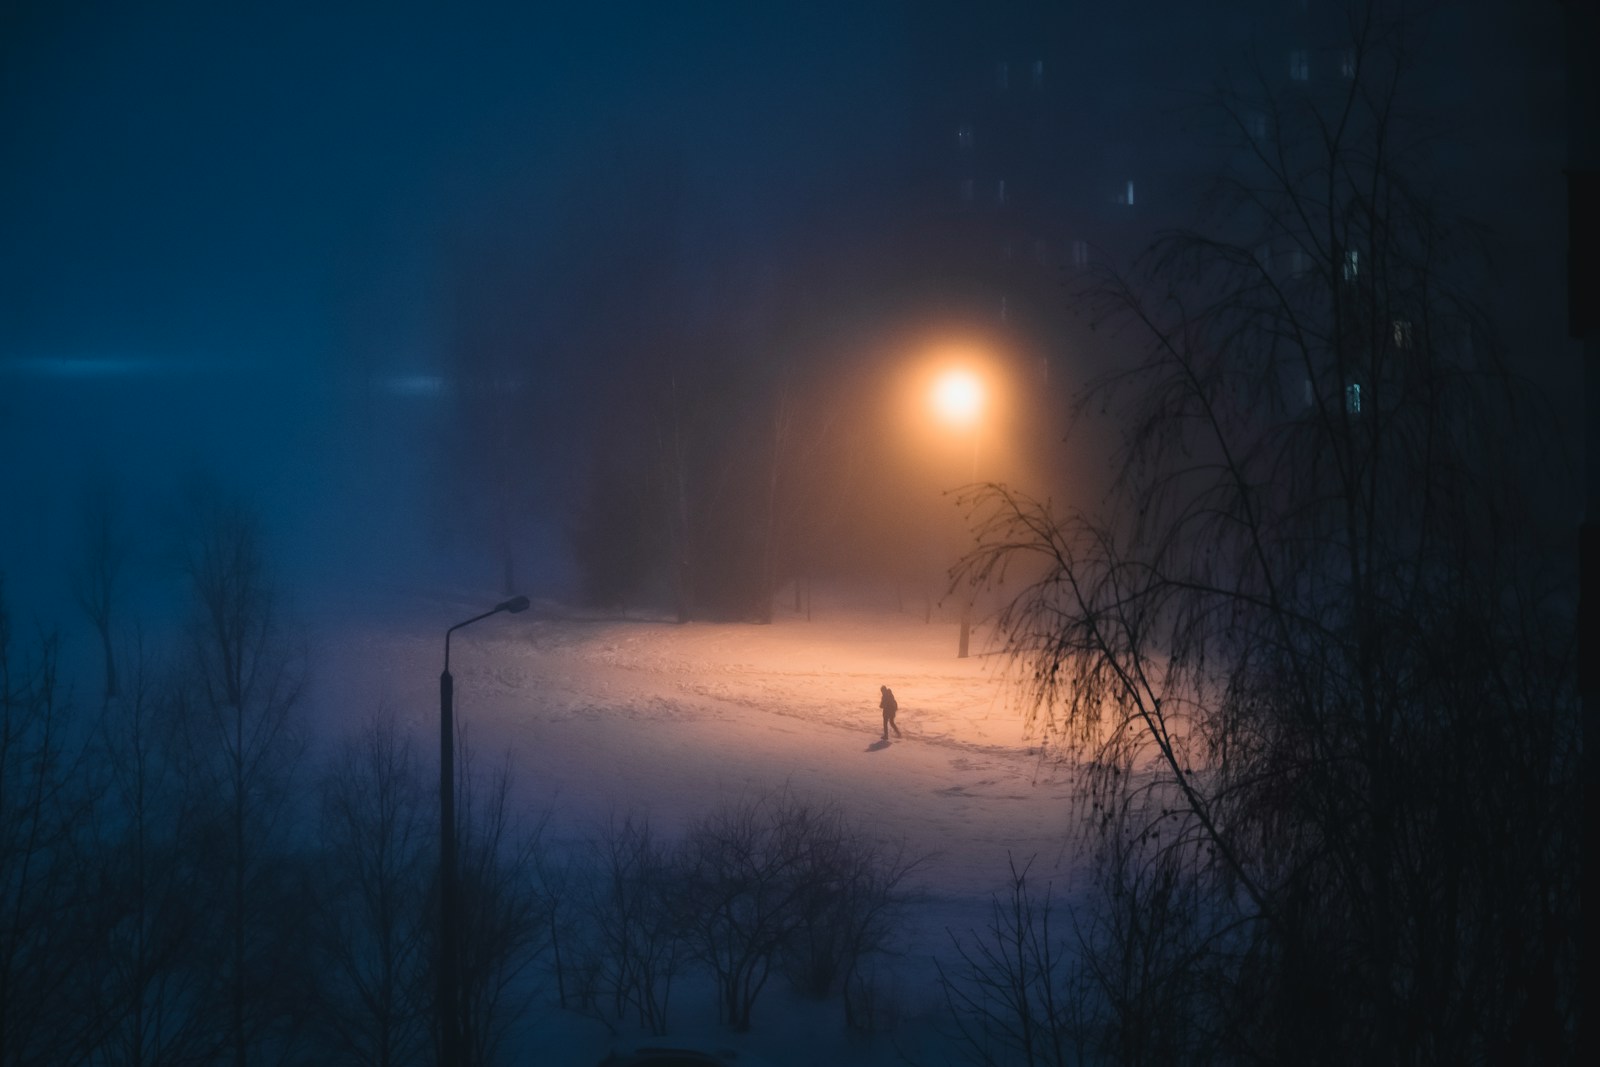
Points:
449	1008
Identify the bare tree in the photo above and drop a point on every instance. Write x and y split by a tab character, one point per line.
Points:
154	989
50	924
504	919
97	582
242	683
1129	977
372	918
1318	620
813	458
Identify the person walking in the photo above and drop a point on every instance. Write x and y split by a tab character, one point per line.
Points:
887	703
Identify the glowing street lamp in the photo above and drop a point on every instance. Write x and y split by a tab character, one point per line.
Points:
958	399
958	396
449	1008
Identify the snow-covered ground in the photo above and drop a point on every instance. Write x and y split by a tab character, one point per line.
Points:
611	715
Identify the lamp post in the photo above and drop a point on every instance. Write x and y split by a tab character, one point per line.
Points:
449	1008
958	397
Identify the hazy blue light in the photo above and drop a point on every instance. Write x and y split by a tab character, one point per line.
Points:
415	385
89	367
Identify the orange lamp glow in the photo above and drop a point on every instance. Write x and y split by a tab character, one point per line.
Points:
958	396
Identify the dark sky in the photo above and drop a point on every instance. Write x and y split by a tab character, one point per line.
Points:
214	217
199	182
210	214
225	179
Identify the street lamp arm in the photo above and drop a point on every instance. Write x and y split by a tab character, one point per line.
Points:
458	626
512	606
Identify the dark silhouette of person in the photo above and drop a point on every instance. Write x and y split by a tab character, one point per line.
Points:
887	703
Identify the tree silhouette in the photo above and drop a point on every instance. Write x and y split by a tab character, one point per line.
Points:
99	575
1316	652
51	923
373	917
243	679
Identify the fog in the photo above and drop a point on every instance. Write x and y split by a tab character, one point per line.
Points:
292	254
636	309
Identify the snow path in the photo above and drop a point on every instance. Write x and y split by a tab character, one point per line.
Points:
603	716
612	716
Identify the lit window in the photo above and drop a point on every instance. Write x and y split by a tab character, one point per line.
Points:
1352	398
964	135
1000	191
1347	63
1299	262
1125	197
1402	333
1038	74
1352	265
1080	253
1300	65
1002	76
1309	394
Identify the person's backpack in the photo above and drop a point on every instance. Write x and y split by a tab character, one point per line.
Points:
889	704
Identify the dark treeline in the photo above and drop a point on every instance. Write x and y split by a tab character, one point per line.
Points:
182	882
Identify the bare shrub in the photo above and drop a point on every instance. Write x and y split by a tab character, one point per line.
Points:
561	873
633	911
1017	995
776	879
741	887
1147	946
849	906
